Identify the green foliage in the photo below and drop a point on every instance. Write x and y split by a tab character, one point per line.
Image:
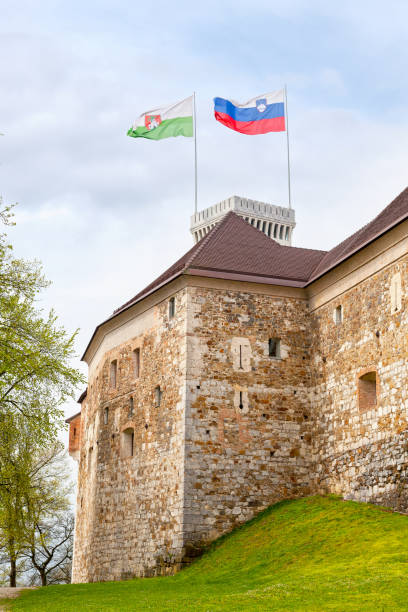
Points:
33	496
36	378
313	554
36	375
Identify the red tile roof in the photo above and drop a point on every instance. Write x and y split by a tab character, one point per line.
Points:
235	247
394	213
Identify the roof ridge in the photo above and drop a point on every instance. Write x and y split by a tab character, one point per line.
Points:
204	241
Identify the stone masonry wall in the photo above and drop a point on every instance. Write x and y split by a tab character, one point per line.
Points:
361	448
248	426
130	508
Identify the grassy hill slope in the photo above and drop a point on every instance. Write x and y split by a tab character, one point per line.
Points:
308	554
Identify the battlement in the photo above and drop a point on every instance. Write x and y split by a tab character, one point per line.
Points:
277	222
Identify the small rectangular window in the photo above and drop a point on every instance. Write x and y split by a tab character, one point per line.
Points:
157	396
136	363
274	347
106	416
172	307
131	408
113	373
338	315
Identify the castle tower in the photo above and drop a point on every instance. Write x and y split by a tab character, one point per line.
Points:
246	373
277	222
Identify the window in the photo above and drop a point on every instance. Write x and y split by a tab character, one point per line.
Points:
157	396
172	307
131	407
274	348
113	372
136	363
128	439
287	233
338	315
367	391
395	290
106	416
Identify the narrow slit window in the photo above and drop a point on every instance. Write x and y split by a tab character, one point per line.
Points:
338	315
157	396
172	307
136	362
131	407
241	405
106	416
396	292
274	348
113	373
240	357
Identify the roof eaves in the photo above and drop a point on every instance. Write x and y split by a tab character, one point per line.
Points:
74	416
240	276
357	249
136	301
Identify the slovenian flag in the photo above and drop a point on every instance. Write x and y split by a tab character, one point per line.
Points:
165	122
265	113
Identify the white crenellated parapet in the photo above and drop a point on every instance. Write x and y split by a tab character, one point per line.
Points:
277	222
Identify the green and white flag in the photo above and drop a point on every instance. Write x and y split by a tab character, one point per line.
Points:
165	122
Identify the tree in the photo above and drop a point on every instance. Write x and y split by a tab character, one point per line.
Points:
35	522
51	547
36	375
36	378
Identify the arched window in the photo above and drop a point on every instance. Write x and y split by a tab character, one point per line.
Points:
367	391
128	439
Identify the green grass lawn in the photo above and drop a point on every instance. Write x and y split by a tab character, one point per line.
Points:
315	553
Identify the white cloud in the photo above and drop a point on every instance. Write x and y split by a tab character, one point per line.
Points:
106	213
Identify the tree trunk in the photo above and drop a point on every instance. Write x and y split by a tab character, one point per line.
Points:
13	572
43	577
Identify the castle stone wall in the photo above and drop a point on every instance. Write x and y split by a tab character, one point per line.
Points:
361	450
130	508
248	425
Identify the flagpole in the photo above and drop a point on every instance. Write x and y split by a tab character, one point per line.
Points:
195	155
287	144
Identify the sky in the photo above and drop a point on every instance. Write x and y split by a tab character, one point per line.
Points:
106	213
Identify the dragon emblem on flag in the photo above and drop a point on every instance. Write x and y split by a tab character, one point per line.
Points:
261	105
152	121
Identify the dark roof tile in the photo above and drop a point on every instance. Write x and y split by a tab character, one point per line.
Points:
393	214
234	246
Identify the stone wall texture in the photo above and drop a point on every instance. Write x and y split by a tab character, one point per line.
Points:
238	429
361	451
